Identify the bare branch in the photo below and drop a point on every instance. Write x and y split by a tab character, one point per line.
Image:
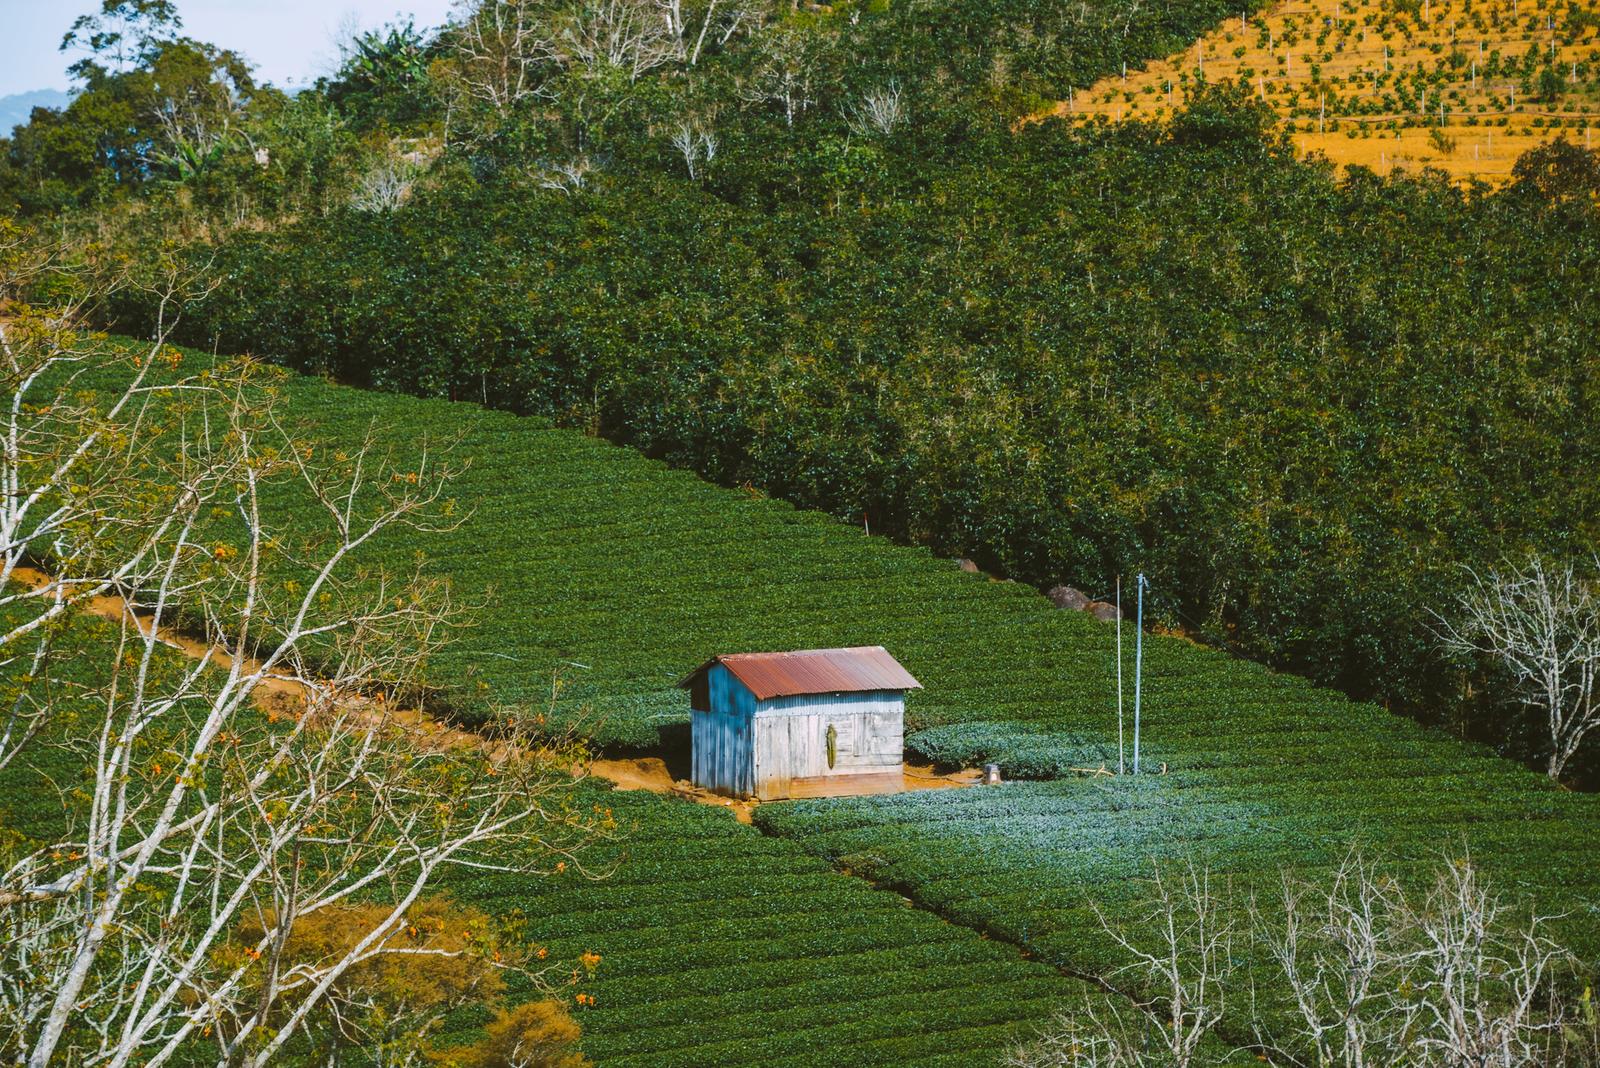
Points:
881	111
1187	956
1540	621
1380	977
226	796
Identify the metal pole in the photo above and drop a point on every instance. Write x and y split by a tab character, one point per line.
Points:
1138	671
1121	767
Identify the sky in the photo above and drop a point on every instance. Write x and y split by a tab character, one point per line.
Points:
289	41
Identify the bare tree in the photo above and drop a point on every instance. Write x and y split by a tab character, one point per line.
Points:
392	1005
1379	977
502	52
1483	982
1541	622
1092	1035
1331	943
1181	954
785	66
696	142
1186	953
206	820
626	35
1371	976
635	36
564	176
71	491
386	186
718	20
881	111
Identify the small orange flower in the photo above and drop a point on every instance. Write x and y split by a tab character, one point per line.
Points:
543	953
561	866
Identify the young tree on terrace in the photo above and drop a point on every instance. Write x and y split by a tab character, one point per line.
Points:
220	803
1540	621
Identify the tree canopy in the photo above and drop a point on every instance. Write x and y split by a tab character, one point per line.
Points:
825	251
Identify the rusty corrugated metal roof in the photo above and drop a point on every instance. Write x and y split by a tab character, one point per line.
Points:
863	668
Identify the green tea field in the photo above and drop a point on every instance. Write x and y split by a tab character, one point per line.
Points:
715	942
724	945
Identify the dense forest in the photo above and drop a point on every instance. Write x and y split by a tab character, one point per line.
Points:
822	252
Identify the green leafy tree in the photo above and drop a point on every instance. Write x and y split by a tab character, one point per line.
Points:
384	77
122	35
1552	84
152	107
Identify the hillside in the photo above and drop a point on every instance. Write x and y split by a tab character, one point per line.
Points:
619	575
826	258
716	944
1301	431
583	342
1459	86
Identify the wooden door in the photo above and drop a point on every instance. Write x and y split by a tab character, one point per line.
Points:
846	727
773	764
807	756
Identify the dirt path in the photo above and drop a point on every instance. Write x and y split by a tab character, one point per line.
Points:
273	694
651	773
281	695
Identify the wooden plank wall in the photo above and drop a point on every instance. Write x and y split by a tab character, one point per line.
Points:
791	738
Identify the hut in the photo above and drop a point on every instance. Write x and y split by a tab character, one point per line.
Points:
773	725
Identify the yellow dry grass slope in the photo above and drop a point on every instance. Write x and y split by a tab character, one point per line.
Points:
1462	85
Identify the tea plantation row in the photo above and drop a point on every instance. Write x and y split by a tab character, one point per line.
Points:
718	945
1251	791
721	946
621	575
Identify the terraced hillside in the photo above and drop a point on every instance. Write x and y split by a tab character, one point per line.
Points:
721	946
1465	86
717	945
619	575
